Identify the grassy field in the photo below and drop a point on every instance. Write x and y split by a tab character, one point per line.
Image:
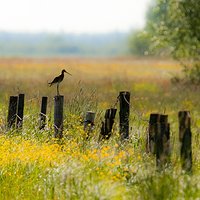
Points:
33	165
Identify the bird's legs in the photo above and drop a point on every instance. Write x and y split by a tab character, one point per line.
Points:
58	89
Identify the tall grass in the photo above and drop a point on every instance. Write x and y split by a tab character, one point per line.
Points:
33	165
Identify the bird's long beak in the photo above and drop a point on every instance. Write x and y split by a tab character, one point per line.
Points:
68	73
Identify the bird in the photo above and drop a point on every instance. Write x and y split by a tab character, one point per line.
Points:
57	80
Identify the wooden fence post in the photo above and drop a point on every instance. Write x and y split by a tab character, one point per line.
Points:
185	137
58	116
20	111
162	141
12	111
151	139
107	125
43	112
124	100
89	122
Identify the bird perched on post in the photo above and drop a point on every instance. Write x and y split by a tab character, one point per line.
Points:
57	80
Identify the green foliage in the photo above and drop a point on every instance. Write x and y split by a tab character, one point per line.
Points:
173	28
139	43
177	28
192	74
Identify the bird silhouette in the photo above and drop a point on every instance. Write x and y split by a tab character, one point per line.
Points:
57	80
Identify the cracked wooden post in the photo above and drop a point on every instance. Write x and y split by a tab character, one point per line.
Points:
20	111
43	113
124	100
162	141
12	111
107	125
151	139
58	116
185	138
89	122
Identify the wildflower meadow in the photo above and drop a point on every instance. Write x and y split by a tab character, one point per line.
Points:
35	165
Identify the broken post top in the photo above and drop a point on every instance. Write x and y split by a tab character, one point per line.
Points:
154	118
57	97
164	119
124	92
184	118
90	116
125	95
158	118
110	113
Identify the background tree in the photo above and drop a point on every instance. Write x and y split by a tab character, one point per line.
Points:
176	25
173	28
139	43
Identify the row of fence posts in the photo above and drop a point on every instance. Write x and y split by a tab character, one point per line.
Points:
16	110
158	137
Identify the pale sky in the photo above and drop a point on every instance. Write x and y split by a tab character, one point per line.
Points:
74	16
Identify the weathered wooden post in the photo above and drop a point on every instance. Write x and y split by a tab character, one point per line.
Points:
162	141
124	100
107	125
20	111
12	111
89	122
43	112
185	137
58	116
166	143
151	140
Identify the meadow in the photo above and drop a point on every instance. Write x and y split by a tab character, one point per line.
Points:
34	165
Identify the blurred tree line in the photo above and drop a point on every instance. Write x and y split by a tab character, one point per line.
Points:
62	44
172	29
